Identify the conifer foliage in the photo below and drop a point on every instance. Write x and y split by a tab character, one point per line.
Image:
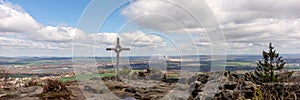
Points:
270	69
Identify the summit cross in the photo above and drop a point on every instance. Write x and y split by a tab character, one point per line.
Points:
117	50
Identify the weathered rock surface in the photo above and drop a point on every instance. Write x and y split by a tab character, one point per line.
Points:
24	93
29	91
197	83
235	87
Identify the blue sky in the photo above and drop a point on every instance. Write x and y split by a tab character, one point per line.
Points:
65	12
48	27
54	12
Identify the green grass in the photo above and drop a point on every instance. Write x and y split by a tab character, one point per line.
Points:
173	75
86	77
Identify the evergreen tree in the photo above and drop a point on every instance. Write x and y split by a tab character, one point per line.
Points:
270	69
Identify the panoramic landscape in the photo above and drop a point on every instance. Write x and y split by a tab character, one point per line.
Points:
30	76
149	50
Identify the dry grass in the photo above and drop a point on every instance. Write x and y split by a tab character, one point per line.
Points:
55	90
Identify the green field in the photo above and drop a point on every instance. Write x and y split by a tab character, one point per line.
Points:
240	64
86	77
39	63
173	75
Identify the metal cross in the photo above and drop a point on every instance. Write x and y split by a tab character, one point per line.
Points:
117	50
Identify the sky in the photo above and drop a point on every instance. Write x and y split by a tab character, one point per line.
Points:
148	27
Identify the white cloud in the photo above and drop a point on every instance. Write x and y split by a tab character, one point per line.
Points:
139	42
19	30
6	34
166	15
241	11
53	34
134	39
15	43
245	22
248	26
14	19
16	22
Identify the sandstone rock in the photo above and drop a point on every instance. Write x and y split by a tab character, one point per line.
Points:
131	90
197	85
248	84
92	90
129	98
154	91
200	96
230	85
114	85
224	95
2	93
203	78
30	98
137	96
30	91
235	87
151	97
122	94
229	91
182	81
192	79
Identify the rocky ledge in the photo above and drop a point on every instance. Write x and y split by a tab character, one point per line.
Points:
233	86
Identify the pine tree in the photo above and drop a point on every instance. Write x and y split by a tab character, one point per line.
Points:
269	69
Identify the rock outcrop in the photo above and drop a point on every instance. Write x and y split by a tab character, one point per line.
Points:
235	87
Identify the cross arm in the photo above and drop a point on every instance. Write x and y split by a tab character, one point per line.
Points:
108	49
125	48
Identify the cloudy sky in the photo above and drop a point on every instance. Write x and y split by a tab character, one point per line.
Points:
149	27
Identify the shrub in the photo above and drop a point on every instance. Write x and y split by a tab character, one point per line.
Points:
277	91
125	71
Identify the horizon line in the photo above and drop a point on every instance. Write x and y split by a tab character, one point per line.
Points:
141	55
